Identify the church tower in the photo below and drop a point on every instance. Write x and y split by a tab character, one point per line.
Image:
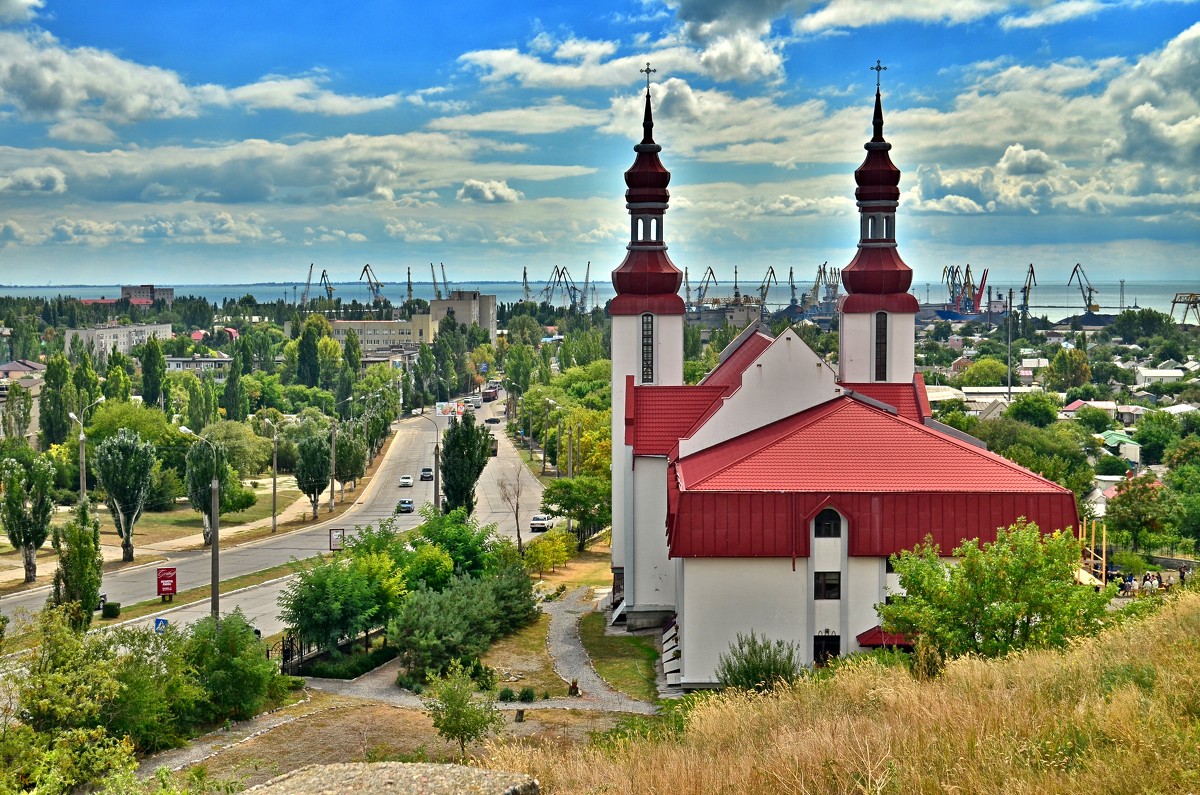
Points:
878	314
647	349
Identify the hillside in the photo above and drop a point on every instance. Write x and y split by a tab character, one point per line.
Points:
1120	712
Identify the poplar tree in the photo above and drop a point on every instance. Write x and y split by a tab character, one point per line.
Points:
312	468
58	401
80	567
123	465
154	373
466	449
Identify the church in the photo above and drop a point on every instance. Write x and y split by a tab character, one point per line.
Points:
770	495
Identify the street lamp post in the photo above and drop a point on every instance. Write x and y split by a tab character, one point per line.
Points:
274	471
83	446
437	464
215	600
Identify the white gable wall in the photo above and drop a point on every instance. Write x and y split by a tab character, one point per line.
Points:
856	347
787	378
650	581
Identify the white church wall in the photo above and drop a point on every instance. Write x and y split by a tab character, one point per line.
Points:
650	580
624	360
901	347
725	596
854	354
787	378
867	580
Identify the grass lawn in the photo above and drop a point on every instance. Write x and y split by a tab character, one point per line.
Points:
342	729
592	567
524	653
624	661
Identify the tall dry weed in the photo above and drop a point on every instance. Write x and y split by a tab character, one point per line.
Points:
1117	712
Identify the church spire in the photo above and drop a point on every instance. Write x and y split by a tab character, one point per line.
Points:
647	280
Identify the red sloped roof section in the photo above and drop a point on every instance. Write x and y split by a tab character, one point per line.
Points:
894	479
662	415
875	636
729	372
902	397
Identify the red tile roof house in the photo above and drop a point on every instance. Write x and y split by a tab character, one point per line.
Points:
769	496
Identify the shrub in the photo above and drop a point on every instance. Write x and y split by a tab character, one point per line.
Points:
1111	465
353	666
757	663
506	694
527	695
111	610
232	666
483	675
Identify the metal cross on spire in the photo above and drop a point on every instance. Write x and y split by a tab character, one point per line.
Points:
647	71
878	69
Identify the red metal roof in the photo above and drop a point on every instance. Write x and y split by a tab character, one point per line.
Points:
875	637
657	417
729	372
895	481
905	398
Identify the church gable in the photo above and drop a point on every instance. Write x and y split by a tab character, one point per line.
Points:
784	378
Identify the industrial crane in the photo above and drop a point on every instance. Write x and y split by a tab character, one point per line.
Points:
408	300
687	289
833	277
709	280
373	284
437	291
445	284
328	285
822	279
587	279
765	286
1026	292
307	287
1085	289
525	282
792	286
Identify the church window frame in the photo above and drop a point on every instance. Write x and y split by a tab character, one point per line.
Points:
647	348
881	346
826	647
827	524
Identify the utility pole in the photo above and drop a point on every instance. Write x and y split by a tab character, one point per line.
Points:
1009	324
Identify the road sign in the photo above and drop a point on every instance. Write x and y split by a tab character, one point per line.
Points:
337	538
160	625
483	367
166	581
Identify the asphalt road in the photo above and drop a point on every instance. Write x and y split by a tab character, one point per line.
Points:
410	450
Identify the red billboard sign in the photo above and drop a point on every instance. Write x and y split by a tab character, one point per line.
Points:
166	581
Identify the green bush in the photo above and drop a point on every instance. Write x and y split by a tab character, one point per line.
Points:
527	695
353	666
757	663
231	665
506	694
483	675
111	610
1111	465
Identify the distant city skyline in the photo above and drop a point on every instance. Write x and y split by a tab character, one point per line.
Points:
208	144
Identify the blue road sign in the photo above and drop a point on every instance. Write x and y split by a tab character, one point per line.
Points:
160	625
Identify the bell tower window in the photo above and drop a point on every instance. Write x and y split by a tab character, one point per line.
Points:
647	348
881	346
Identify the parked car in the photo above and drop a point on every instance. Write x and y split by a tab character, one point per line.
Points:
406	480
492	420
540	523
426	473
405	506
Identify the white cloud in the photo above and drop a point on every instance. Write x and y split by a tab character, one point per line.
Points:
305	94
412	231
218	228
325	234
554	116
19	10
1019	161
12	234
34	179
492	191
1054	14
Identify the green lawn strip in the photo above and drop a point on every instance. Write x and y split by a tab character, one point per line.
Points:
624	661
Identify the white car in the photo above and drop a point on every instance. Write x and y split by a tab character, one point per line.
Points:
406	480
540	523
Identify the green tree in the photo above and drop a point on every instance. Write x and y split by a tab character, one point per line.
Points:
57	401
457	714
1156	431
429	566
327	601
460	535
232	399
80	566
18	411
1036	408
1068	369
26	507
466	449
231	666
312	468
985	372
352	353
86	382
585	499
308	368
117	384
154	373
245	451
230	494
124	465
1014	593
1094	419
351	461
1183	483
1137	514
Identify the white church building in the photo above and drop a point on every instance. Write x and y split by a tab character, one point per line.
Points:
769	496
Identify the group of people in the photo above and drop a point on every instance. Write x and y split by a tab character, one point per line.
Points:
1152	582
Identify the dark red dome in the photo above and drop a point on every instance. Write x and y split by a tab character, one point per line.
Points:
877	271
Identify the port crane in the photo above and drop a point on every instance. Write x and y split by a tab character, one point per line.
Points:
687	289
1026	293
708	281
408	299
587	280
445	283
307	288
525	282
373	284
437	291
1085	289
765	286
792	286
328	285
1190	303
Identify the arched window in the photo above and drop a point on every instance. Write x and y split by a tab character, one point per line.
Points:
828	524
881	351
647	348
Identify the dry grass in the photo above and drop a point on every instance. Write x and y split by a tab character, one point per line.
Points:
339	729
1121	711
524	653
592	567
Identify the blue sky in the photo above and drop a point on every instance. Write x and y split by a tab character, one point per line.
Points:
238	142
